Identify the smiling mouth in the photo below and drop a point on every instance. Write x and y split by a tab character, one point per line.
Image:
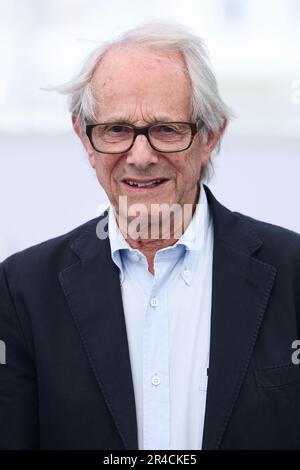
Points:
144	184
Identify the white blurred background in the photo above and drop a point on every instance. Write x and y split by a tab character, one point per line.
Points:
46	184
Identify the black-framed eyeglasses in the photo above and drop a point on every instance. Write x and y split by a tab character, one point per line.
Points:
118	137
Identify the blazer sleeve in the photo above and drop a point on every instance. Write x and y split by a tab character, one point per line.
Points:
19	428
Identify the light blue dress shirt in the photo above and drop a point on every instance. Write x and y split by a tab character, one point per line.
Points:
167	319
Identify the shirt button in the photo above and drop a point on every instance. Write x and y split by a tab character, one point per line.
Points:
155	380
187	276
135	257
154	302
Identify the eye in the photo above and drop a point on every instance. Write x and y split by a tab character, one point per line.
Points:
170	130
117	129
114	132
165	129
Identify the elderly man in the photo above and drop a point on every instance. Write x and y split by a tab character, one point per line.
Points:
169	321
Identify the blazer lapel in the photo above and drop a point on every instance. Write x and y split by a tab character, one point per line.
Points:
92	290
240	293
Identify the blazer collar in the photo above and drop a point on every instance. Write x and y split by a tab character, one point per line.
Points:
231	228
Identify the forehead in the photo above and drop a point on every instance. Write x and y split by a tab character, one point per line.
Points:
138	79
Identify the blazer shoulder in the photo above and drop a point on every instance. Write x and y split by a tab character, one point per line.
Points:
274	236
53	251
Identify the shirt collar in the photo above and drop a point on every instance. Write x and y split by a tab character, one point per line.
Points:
193	239
117	241
195	234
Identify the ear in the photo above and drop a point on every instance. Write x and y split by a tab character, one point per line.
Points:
84	139
211	142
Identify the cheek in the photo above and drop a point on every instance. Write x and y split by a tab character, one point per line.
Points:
187	167
196	160
192	166
103	172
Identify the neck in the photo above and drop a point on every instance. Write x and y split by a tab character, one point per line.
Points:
149	245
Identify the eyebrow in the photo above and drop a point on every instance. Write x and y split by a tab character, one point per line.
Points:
158	118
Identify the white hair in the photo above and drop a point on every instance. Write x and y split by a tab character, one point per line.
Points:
206	101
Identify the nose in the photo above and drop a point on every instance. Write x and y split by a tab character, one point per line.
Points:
141	154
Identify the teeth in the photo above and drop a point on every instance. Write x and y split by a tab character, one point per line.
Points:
143	185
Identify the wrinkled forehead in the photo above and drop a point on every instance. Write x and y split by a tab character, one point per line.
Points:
141	58
136	73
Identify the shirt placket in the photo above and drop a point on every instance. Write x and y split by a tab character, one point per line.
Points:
156	396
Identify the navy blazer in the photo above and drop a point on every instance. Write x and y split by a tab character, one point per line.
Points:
67	380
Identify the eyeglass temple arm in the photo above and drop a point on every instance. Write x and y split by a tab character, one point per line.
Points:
199	124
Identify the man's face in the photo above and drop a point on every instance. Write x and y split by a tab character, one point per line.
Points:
140	86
